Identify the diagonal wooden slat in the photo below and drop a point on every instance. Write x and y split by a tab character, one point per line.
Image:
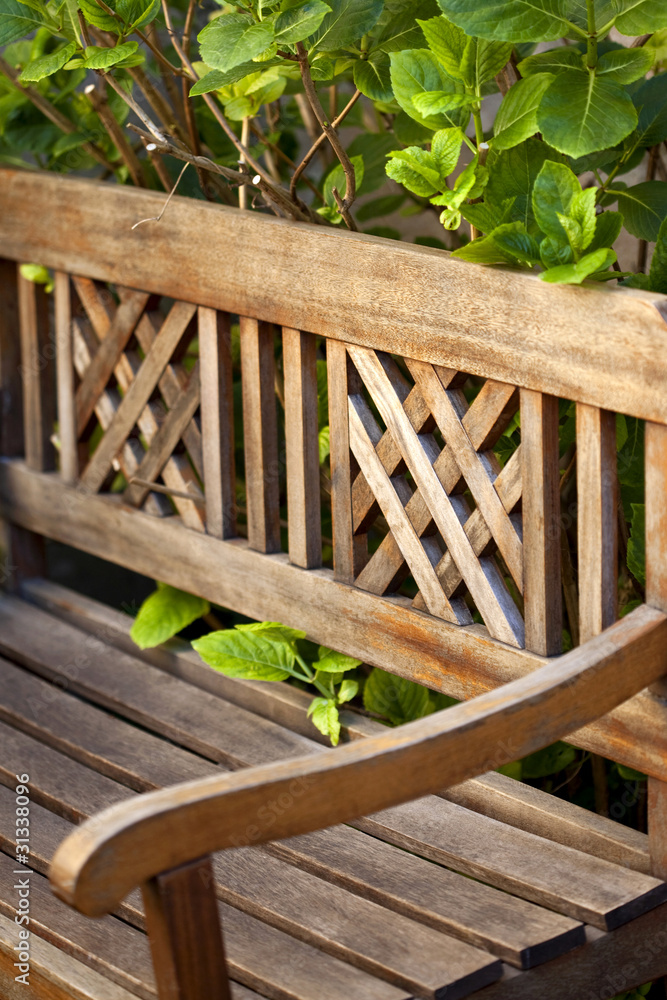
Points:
474	468
177	474
508	485
130	456
485	420
480	574
166	439
138	394
364	438
102	365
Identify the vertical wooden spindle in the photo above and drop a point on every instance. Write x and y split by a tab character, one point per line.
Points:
260	436
38	374
185	935
350	550
541	522
302	447
217	418
69	459
597	493
11	389
656	595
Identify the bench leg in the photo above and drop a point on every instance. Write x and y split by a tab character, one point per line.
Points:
184	930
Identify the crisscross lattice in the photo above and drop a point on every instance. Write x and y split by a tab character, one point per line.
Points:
136	404
426	491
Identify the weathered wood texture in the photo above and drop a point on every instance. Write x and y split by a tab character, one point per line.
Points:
425	305
11	390
459	662
597	528
38	375
302	447
67	429
217	417
541	522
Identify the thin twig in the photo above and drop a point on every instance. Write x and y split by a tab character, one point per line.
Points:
331	134
156	218
283	156
320	139
54	115
161	58
650	174
245	135
132	104
98	99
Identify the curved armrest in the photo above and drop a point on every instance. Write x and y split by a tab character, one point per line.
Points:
125	846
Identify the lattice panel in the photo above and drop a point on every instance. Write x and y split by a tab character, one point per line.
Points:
431	474
136	402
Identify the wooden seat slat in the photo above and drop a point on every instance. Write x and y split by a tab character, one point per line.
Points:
478	845
493	794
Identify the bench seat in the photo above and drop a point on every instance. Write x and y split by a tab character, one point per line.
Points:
430	899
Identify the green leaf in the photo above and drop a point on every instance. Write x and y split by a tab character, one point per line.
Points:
625	65
641	16
580	222
512	173
553	193
608	227
574	274
331	662
17	20
47	65
40	275
581	113
323	441
347	690
439	101
446	149
417	71
373	147
548	761
398	27
651	103
517	242
510	20
264	654
100	57
336	179
658	272
516	119
324	714
487	216
637	543
553	253
630	774
447	42
488	249
94	14
164	613
287	633
347	22
644	207
296	23
232	39
482	60
554	61
395	698
416	169
372	76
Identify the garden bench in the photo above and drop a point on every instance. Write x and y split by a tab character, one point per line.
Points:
170	799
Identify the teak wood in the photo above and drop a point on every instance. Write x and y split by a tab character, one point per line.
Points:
448	568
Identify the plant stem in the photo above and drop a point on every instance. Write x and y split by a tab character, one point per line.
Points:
98	99
479	130
592	39
320	139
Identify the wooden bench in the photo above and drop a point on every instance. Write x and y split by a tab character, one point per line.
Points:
169	799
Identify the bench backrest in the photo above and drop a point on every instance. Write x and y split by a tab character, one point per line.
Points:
113	364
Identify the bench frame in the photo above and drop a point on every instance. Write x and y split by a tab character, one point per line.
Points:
438	314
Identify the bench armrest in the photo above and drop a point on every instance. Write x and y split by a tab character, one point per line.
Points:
125	846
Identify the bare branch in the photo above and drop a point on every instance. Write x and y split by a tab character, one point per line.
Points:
320	139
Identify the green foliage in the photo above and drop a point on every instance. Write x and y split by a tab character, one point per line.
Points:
396	698
165	613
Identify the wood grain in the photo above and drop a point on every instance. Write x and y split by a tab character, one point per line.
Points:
460	662
657	826
185	934
260	436
425	305
38	375
656	525
11	388
302	447
217	419
69	458
597	524
365	776
540	509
